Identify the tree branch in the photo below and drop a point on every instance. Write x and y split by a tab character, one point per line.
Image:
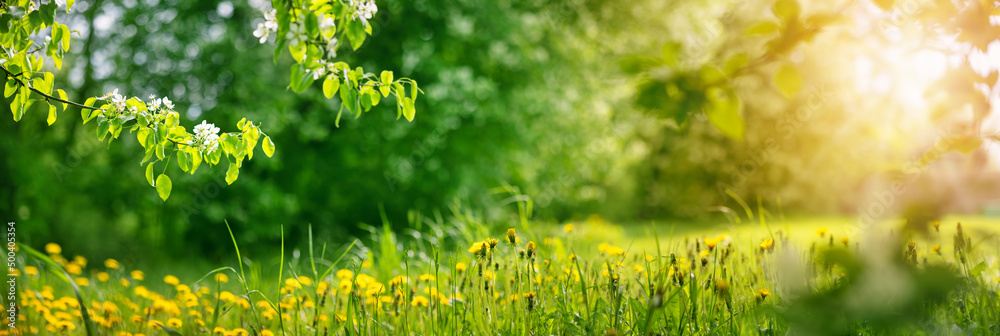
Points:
47	96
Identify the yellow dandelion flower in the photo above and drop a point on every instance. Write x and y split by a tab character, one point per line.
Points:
845	240
239	332
111	263
171	280
461	267
398	280
345	274
174	322
221	277
420	301
711	243
822	231
266	332
614	251
103	276
80	260
478	248
763	293
768	244
53	248
492	243
568	228
426	277
137	275
125	283
31	270
511	236
74	268
531	248
83	282
936	249
305	281
219	331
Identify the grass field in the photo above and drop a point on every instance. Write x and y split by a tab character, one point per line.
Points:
806	276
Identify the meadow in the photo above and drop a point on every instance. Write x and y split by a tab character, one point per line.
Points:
807	276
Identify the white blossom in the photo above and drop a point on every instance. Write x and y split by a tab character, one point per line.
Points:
167	103
364	10
331	47
270	25
296	34
206	136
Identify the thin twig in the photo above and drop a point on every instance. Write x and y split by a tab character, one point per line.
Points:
47	96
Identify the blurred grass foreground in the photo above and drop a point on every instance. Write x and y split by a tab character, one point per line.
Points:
585	167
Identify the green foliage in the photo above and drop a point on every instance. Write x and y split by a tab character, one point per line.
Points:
156	124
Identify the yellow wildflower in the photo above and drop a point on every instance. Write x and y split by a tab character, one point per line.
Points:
111	263
822	231
53	248
221	277
420	301
171	280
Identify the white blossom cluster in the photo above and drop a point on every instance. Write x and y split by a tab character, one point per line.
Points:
157	104
296	32
117	105
326	68
206	137
270	25
364	10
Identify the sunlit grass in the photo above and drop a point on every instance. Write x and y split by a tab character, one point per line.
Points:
812	276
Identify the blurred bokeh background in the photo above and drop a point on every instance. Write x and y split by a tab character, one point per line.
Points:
553	98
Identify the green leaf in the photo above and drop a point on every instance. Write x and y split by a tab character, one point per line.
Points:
787	9
63	96
414	91
52	115
885	5
268	146
233	173
16	108
183	160
374	97
330	86
65	36
298	52
213	157
195	161
723	110
163	186
241	124
149	174
355	33
102	128
10	88
408	111
788	80
142	136
228	143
